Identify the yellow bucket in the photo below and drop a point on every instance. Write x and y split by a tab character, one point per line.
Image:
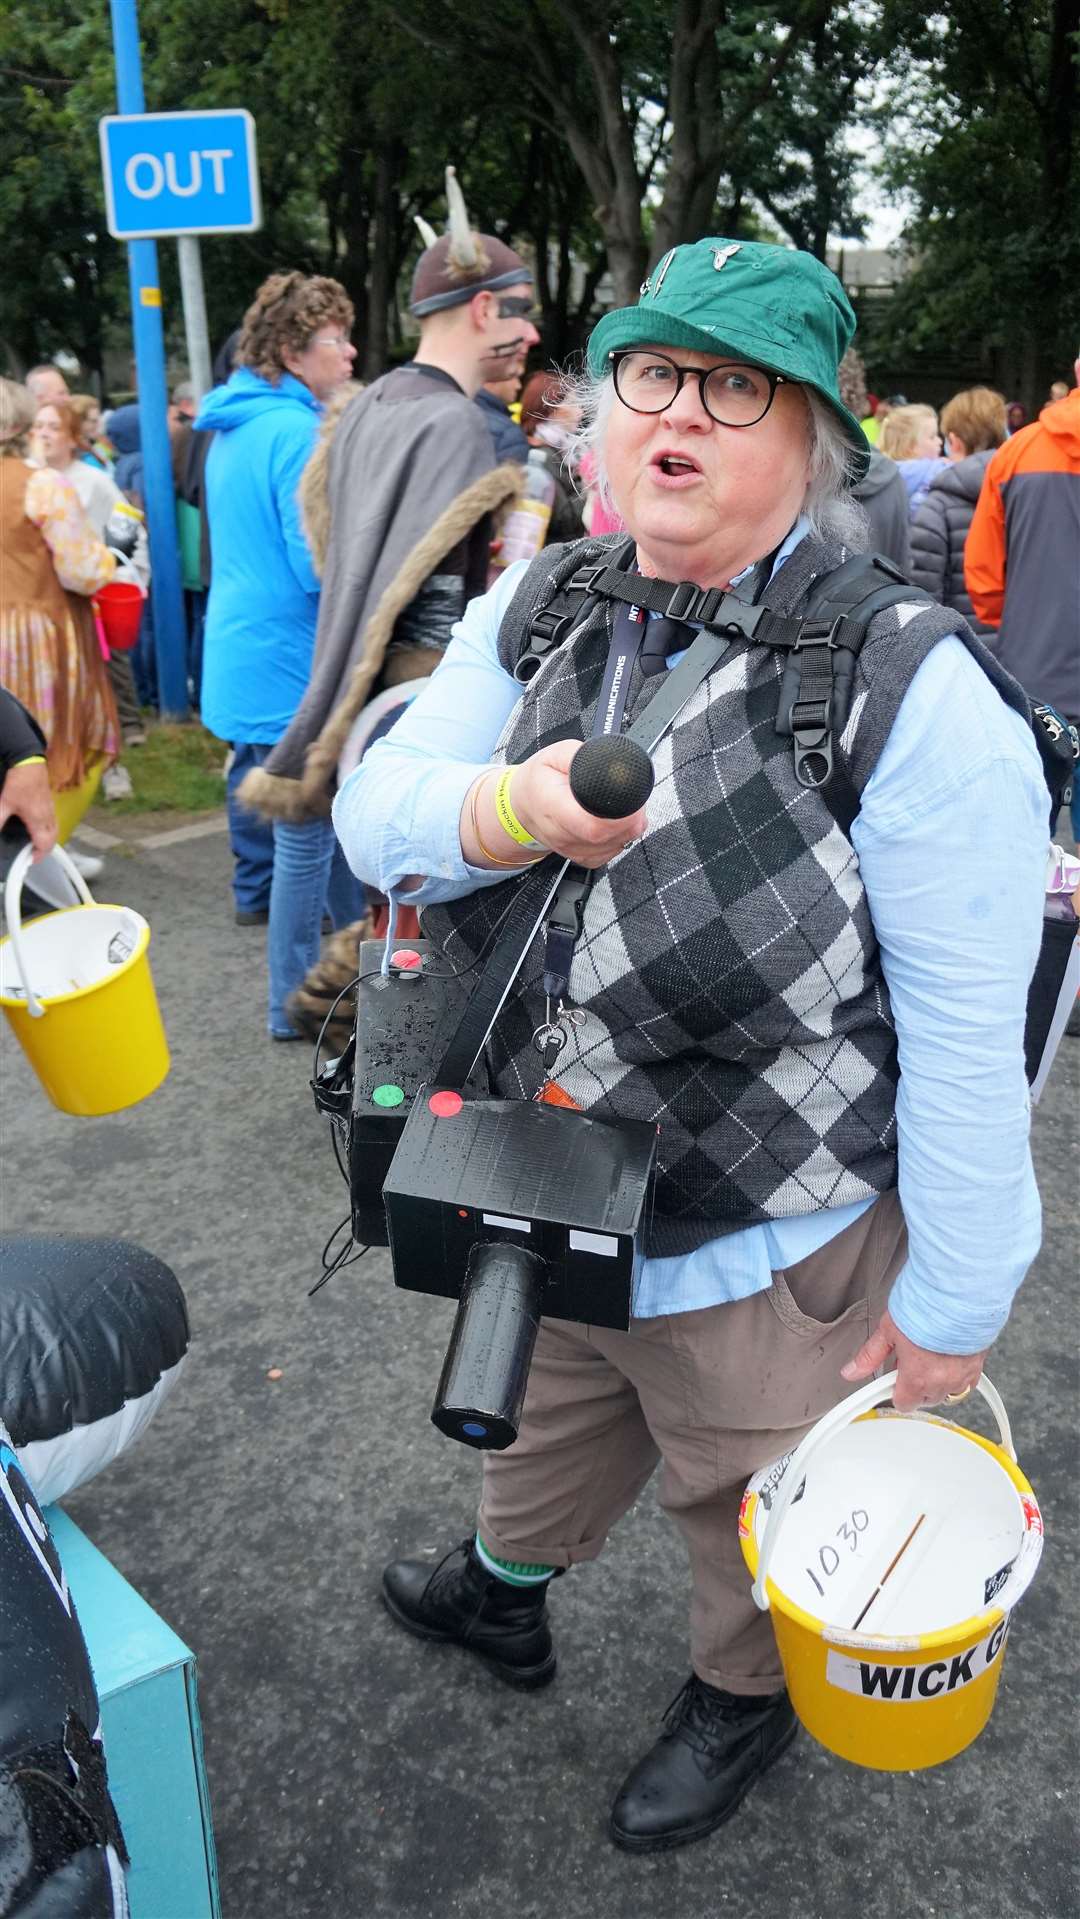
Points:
891	1549
77	992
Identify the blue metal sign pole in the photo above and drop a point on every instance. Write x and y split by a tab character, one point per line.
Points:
168	605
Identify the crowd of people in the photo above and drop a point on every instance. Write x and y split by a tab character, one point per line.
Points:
754	955
271	495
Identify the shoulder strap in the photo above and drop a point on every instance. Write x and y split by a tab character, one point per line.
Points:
815	694
556	615
1058	741
822	646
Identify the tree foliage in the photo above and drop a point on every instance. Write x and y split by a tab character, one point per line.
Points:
981	131
597	136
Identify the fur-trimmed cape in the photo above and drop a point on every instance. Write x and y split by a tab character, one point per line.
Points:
389	469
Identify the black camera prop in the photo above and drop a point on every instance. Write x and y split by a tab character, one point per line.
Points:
404	1020
514	1208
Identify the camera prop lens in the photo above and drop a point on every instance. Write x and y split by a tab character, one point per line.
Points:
486	1370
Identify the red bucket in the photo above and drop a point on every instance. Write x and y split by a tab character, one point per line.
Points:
119	606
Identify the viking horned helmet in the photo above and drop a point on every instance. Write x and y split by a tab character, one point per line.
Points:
451	270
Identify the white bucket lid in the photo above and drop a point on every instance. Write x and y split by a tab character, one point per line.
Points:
894	1527
71	951
878	1485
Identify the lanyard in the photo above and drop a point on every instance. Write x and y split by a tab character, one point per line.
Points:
626	643
568	907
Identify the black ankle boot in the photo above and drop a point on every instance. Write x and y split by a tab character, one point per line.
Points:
714	1746
459	1600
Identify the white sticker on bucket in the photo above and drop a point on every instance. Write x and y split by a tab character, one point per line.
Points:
913	1684
766	1482
122	945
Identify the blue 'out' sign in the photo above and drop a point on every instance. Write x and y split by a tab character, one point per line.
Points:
168	174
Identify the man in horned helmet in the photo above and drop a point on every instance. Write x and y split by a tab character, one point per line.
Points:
401	528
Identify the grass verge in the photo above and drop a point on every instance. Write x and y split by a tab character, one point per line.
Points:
178	770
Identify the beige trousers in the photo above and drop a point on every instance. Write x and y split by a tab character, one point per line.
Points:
714	1394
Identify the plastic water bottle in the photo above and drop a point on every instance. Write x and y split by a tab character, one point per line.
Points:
524	529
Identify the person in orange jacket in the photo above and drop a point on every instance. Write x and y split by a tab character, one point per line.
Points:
1021	563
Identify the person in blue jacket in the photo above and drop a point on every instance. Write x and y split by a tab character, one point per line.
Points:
294	352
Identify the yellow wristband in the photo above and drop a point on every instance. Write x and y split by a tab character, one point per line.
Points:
32	759
515	865
505	813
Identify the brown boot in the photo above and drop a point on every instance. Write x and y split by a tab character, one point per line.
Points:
307	1008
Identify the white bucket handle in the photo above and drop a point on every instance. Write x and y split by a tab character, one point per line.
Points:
849	1409
13	887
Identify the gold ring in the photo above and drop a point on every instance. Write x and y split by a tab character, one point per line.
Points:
951	1399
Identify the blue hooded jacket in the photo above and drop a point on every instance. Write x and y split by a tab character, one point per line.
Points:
125	432
264	591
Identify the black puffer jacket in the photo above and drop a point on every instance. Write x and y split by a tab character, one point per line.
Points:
939	531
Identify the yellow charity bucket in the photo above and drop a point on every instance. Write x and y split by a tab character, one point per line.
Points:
891	1549
77	992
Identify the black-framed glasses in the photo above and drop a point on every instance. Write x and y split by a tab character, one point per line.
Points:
733	393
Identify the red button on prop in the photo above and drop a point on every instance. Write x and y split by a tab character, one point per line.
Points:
405	959
445	1105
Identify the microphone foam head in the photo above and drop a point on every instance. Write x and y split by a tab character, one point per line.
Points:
611	778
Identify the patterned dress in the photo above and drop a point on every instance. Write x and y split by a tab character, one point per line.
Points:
49	653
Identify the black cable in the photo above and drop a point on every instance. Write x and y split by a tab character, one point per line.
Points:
375	970
341	1259
338	1142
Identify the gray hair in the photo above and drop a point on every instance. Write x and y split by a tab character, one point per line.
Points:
827	503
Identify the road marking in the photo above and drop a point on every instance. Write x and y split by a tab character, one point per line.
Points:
90	836
176	835
173	836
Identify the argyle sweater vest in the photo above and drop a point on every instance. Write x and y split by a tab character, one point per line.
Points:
727	965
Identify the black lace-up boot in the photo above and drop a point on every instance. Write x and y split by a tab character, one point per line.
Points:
506	1626
713	1747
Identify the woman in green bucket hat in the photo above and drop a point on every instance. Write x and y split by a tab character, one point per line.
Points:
793	910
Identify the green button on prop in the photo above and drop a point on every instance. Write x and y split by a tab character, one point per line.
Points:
388	1096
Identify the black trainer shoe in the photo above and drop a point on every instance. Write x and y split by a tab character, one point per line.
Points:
460	1601
714	1746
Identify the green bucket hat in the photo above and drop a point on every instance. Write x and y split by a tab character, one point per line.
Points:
780	309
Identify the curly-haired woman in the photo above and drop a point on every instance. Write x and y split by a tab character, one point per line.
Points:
294	352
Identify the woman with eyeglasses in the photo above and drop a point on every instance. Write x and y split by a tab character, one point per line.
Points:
294	353
754	959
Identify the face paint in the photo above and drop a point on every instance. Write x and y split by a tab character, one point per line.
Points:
516	306
508	349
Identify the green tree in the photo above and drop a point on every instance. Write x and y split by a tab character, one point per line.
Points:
64	278
980	129
601	138
652	101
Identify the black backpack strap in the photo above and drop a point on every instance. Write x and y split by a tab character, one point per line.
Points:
1059	749
822	646
819	677
556	617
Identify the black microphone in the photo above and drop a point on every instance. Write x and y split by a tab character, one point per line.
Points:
611	778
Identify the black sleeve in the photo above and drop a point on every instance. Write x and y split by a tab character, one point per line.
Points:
20	734
566	521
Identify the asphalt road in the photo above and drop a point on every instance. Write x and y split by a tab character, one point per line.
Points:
357	1774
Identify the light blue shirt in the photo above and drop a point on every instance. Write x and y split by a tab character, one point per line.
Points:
951	839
